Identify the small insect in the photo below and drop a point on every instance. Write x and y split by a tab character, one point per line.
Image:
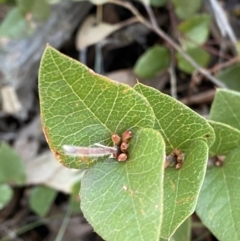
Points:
176	157
118	151
81	151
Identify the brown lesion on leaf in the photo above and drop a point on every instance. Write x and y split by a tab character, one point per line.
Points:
171	184
207	136
45	132
186	200
57	154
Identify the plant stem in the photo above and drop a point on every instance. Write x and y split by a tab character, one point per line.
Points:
64	225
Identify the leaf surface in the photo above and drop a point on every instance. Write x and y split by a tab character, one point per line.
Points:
195	30
11	167
225	108
14	25
185	9
201	56
221	214
183	233
218	204
6	195
185	130
158	3
227	138
177	123
123	201
230	76
41	199
182	187
80	107
155	60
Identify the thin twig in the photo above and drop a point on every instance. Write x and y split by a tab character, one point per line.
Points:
223	65
173	81
151	15
64	225
163	35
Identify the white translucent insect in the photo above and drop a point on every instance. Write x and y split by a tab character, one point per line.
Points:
98	151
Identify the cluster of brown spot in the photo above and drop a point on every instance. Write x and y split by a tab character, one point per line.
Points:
219	161
122	144
176	156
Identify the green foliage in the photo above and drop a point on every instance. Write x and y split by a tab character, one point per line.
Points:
199	55
223	184
185	8
79	107
195	30
7	1
155	60
227	139
158	3
6	195
177	123
38	8
127	196
15	25
183	233
225	108
221	213
75	199
11	167
41	199
230	76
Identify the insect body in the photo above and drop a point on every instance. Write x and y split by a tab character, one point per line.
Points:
118	151
89	151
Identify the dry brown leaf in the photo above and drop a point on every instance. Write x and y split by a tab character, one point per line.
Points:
46	170
125	76
89	33
11	104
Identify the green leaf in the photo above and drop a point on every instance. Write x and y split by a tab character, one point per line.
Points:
218	204
7	1
41	199
182	187
158	3
195	30
11	167
155	60
123	201
181	129
177	123
227	138
201	56
225	108
183	233
185	8
38	8
75	199
6	195
15	25
80	107
230	76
